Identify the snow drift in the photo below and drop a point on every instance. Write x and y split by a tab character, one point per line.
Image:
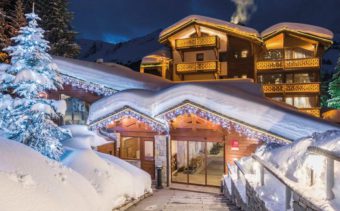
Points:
115	180
85	180
31	182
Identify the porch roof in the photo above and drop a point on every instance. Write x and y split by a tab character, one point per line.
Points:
229	100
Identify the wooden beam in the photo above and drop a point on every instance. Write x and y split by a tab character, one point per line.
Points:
198	30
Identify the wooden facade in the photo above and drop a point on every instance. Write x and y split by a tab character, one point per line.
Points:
287	62
198	148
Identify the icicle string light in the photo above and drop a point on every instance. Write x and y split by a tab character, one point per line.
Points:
224	122
188	108
129	113
88	86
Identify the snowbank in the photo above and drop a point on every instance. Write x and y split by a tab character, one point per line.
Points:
85	180
115	181
31	182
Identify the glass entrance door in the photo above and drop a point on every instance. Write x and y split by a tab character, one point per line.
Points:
196	162
215	163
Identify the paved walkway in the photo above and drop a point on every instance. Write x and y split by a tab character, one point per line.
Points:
179	200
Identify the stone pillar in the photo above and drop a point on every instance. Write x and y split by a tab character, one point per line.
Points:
161	153
117	137
164	67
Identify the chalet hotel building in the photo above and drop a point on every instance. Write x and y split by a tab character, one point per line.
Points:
285	58
194	107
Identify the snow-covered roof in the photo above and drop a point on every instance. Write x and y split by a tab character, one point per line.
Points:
4	67
116	76
157	56
207	21
228	99
300	28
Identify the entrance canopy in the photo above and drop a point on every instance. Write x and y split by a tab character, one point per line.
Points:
234	104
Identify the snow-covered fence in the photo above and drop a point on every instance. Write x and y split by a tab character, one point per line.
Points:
331	157
239	185
262	168
234	188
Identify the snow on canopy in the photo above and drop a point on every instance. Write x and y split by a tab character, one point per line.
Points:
299	27
116	77
157	56
224	25
231	98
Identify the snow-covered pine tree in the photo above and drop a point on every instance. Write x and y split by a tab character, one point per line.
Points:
4	41
334	89
28	118
18	14
56	21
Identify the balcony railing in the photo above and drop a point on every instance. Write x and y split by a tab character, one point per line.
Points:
312	111
197	42
288	64
193	67
291	88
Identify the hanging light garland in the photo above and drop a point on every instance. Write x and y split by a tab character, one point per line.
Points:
224	122
129	113
88	86
189	108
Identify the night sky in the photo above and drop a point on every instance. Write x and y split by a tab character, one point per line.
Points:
120	20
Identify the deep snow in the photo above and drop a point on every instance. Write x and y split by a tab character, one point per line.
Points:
84	180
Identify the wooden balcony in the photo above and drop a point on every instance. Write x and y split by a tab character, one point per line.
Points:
287	64
197	42
312	111
291	88
198	67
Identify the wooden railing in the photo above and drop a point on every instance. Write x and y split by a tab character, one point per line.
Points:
312	111
192	67
291	88
197	42
287	64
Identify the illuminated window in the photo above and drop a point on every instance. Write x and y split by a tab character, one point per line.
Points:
76	111
130	148
244	54
148	150
270	78
302	101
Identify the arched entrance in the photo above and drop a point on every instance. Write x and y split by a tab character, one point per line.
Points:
204	141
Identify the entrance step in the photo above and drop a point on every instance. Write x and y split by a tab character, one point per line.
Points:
195	188
185	200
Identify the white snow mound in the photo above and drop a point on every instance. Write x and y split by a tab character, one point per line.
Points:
31	182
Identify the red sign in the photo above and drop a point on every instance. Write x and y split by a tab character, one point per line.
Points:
234	145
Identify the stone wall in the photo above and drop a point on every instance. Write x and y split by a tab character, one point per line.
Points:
301	204
161	156
254	201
